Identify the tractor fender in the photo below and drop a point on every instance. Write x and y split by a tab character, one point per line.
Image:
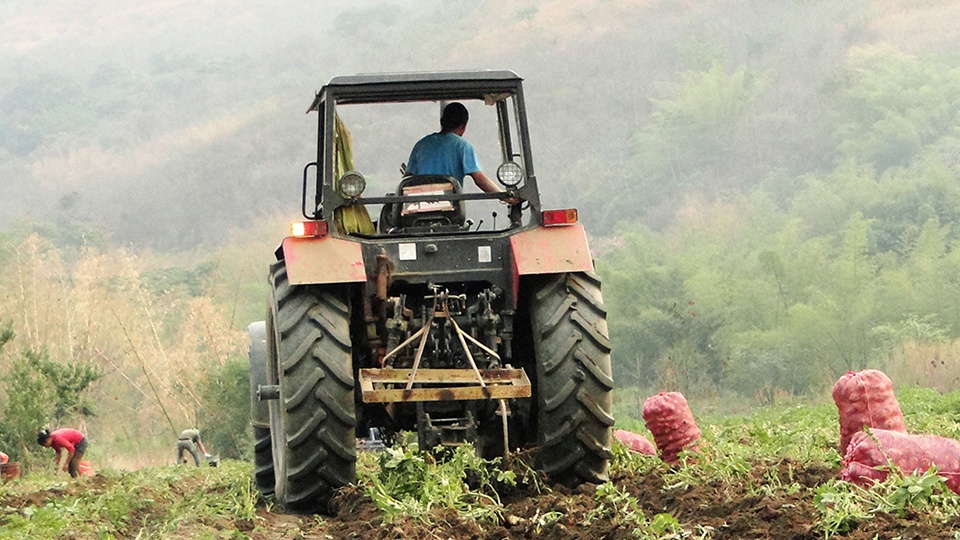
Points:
551	250
323	259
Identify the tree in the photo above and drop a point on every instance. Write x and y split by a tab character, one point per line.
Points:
39	390
891	104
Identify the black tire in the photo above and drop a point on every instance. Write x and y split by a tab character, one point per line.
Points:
574	382
314	421
263	477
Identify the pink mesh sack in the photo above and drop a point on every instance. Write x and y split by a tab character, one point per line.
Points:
669	419
865	399
635	442
867	456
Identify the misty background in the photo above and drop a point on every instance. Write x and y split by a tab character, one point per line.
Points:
173	114
770	188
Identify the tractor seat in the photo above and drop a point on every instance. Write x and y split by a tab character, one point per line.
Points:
426	215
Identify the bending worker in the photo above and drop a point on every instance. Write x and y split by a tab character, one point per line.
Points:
189	441
71	440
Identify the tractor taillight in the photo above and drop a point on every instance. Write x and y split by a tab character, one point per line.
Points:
308	228
559	217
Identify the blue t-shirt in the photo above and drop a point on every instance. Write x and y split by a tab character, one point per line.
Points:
443	153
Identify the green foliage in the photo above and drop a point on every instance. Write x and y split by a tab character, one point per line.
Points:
891	104
41	390
749	298
409	484
628	463
687	141
783	456
6	333
68	381
27	410
843	506
916	491
225	413
149	503
192	281
615	504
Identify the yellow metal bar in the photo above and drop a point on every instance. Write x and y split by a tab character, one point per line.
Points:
386	385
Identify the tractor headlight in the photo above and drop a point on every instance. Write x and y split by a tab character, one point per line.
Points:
351	185
510	174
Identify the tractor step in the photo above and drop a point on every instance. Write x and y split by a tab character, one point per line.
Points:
390	385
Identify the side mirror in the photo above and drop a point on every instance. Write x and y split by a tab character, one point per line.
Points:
317	203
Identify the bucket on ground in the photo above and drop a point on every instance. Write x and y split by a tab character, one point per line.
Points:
85	468
9	471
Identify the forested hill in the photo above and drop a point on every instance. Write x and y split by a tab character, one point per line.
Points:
771	188
144	120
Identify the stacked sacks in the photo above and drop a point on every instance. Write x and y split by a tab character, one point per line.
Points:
865	399
669	419
870	455
635	442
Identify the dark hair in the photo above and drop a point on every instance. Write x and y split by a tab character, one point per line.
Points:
454	115
42	436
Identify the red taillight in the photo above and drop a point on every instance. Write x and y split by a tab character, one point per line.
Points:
308	228
559	217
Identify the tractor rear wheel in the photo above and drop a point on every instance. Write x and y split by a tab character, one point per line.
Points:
574	383
314	421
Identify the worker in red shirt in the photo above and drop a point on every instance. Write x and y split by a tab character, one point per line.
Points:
71	440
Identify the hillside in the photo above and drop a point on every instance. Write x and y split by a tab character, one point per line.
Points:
176	114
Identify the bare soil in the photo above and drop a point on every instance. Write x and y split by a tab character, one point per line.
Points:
727	508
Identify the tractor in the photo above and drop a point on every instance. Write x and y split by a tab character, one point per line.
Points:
436	318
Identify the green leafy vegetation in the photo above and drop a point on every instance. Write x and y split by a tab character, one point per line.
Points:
407	484
150	503
778	462
41	390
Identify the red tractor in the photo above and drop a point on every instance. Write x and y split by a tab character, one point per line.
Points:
425	320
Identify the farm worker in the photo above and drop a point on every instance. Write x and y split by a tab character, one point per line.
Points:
71	440
4	458
447	153
189	441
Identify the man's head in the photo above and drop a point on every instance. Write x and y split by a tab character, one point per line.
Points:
43	437
454	115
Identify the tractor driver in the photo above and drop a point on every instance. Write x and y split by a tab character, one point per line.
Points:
447	153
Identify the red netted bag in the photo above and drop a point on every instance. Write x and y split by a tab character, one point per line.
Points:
669	419
865	399
635	442
866	460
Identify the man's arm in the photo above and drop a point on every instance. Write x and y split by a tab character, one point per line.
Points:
485	183
66	463
56	461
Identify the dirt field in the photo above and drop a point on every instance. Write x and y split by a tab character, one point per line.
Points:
720	510
724	511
